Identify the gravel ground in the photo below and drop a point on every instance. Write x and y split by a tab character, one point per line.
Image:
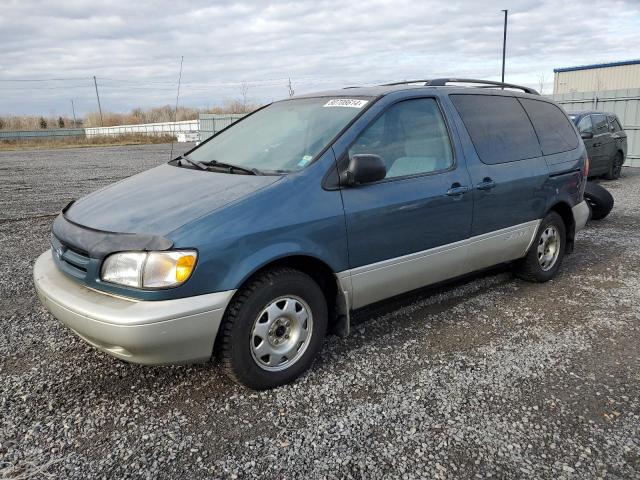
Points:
486	376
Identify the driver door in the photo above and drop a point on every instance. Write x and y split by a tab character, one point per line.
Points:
407	230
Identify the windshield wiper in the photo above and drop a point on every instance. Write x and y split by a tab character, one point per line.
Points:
184	158
231	167
214	163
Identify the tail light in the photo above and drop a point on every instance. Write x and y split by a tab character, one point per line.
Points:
586	167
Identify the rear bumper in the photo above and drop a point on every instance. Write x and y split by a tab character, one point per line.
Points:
147	332
580	215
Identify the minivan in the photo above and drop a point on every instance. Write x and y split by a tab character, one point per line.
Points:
254	244
605	141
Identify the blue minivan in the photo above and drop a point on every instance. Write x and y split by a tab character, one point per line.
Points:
254	244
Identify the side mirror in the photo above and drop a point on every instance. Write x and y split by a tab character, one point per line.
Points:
586	135
364	168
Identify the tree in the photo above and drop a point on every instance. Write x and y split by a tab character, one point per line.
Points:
2	123
541	83
60	122
43	122
244	90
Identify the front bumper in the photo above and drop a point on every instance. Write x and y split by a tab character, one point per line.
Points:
581	215
147	332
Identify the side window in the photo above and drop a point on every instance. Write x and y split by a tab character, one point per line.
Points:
498	126
410	137
600	124
555	132
585	125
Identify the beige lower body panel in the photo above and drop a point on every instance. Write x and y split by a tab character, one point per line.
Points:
147	332
381	280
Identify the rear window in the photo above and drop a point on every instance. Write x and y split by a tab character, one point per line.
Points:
555	132
498	126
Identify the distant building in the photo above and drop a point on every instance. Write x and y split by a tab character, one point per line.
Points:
598	77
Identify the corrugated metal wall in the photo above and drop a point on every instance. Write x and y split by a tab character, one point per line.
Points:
624	103
44	133
212	123
164	128
594	79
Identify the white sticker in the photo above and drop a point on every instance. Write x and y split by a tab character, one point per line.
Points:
346	102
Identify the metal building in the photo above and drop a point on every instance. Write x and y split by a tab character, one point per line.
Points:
598	77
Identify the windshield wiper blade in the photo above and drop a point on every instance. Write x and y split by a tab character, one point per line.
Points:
184	158
231	167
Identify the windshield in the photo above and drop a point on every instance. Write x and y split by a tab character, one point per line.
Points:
282	137
574	119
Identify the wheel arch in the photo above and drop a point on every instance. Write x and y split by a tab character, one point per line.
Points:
566	213
337	299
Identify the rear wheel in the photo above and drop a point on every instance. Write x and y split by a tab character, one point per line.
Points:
616	167
545	255
273	329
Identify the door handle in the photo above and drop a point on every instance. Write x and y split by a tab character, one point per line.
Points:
597	144
457	190
486	184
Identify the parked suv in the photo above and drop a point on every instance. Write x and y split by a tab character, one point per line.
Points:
605	140
255	243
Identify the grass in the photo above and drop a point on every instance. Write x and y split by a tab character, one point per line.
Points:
80	142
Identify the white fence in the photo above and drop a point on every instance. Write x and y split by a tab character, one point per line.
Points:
212	123
624	103
164	128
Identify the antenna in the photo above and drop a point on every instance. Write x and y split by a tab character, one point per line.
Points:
175	116
504	42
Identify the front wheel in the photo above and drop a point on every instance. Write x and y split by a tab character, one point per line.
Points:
545	255
273	329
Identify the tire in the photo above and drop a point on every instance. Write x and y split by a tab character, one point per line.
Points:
538	266
616	167
265	320
599	199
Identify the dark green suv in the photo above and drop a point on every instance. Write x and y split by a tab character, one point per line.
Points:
605	140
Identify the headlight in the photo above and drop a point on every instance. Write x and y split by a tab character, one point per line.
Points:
149	269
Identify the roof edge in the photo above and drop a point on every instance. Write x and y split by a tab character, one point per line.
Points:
597	65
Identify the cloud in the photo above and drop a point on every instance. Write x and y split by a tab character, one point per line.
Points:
134	47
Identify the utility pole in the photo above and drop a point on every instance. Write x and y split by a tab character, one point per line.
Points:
504	42
95	83
73	109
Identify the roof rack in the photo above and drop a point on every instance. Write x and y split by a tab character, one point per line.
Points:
441	82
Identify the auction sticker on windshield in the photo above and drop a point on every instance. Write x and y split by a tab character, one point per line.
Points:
346	102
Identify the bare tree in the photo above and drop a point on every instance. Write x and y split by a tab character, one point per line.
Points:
541	80
244	88
291	91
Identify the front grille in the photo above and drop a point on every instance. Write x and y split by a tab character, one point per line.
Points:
69	259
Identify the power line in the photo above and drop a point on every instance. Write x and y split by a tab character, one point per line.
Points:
42	79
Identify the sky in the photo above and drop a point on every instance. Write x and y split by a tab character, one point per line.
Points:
50	51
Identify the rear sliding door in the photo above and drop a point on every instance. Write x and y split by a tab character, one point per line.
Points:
508	175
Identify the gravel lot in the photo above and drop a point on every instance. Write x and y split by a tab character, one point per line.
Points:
487	376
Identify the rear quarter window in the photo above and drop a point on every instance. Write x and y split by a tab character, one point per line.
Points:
498	126
555	132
